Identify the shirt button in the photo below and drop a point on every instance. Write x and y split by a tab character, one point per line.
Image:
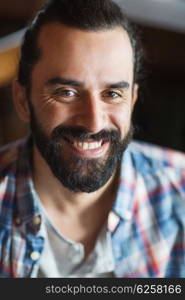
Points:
127	215
35	255
37	220
18	221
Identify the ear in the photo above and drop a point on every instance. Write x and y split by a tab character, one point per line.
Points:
134	94
20	101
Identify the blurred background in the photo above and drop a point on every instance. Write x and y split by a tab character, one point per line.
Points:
160	111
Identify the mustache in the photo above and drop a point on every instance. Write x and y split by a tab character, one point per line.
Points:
82	134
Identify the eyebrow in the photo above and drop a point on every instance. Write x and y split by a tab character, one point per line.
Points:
118	85
64	81
77	83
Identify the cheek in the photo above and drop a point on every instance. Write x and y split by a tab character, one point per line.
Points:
50	116
121	117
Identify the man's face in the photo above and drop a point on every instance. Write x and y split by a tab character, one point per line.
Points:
82	96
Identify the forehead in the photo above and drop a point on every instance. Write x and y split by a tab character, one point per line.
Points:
69	49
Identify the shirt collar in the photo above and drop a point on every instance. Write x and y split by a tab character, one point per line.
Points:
123	205
27	203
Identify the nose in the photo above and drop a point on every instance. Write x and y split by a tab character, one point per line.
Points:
92	114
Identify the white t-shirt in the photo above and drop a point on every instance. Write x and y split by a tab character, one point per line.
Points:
63	258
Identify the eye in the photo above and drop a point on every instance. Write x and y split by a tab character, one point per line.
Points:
64	93
115	96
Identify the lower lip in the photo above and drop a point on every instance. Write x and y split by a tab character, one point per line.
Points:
90	153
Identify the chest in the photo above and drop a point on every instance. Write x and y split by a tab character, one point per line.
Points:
147	251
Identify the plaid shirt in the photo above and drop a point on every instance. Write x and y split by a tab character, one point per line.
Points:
147	221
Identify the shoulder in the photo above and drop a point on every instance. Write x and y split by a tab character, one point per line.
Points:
160	179
9	154
150	158
161	173
10	158
162	170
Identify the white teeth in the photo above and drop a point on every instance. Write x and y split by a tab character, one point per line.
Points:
86	146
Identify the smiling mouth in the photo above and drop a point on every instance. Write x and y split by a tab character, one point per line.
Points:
89	147
85	145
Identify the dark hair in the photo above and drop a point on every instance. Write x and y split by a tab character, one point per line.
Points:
91	15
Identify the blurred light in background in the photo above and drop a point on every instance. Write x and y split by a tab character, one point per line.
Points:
9	56
167	14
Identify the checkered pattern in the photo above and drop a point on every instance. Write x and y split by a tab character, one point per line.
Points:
147	221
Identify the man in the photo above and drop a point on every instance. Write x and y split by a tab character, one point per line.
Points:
75	200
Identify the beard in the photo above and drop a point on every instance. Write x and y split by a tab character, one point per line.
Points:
77	173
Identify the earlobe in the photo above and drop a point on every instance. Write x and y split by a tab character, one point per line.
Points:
20	101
